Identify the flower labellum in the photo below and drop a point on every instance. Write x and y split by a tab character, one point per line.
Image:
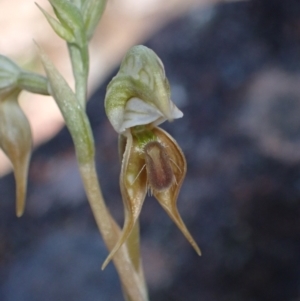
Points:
152	160
158	166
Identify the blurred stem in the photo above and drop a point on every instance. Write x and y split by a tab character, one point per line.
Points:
33	82
80	65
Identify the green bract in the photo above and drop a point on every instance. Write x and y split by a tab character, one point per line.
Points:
62	31
92	11
74	115
71	19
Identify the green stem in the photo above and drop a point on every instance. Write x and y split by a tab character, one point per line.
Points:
33	83
80	65
132	282
133	245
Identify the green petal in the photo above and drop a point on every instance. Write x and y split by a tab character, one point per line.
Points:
139	94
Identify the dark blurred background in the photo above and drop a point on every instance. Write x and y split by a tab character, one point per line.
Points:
235	73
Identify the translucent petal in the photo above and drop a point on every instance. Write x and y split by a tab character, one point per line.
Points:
139	112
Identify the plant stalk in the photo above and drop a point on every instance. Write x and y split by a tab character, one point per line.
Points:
132	282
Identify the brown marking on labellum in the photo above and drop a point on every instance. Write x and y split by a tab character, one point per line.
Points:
159	171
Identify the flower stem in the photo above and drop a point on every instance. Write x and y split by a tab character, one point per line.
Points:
128	267
80	65
33	82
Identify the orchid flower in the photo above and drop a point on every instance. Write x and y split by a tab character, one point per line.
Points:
15	141
15	131
137	101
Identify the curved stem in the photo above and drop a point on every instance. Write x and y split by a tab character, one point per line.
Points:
131	279
33	82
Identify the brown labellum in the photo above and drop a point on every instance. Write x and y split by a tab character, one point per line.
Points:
159	171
